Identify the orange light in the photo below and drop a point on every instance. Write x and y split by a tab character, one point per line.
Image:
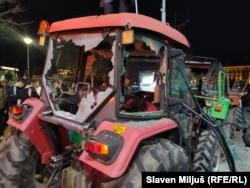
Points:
128	37
16	110
218	107
42	40
92	146
43	28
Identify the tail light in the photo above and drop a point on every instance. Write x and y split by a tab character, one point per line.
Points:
21	112
17	110
93	146
105	146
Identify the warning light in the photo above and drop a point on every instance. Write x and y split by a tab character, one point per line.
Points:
43	31
43	27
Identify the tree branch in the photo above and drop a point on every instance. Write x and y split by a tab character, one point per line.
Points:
9	9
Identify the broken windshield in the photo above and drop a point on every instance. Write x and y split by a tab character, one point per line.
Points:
79	73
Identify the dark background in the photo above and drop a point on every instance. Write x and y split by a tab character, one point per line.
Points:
218	29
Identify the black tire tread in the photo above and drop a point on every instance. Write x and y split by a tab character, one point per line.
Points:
161	156
203	154
17	160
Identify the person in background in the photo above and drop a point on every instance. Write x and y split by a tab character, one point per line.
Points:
72	88
12	96
109	7
245	103
37	86
22	92
57	89
26	90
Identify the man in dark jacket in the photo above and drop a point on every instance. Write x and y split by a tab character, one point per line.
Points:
245	103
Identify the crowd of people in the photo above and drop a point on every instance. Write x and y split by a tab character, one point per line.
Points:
12	94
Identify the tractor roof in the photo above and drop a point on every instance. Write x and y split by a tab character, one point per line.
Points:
120	20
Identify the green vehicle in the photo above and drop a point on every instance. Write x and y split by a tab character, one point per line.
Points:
209	81
11	74
211	86
9	70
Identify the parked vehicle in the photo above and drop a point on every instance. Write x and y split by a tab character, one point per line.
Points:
211	85
11	71
220	101
131	110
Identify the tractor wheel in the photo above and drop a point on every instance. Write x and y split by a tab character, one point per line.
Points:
18	162
208	155
234	116
157	156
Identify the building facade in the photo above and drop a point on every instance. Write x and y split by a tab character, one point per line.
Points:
239	72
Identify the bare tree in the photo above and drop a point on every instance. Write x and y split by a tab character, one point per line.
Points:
9	21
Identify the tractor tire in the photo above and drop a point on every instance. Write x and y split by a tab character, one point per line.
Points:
158	156
208	155
18	160
234	116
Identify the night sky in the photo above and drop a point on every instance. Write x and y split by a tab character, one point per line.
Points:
214	28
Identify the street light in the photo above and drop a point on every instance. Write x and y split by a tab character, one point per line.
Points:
28	41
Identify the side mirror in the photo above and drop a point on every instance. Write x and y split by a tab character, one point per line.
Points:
174	101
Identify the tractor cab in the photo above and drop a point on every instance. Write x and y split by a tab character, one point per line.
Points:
89	72
212	85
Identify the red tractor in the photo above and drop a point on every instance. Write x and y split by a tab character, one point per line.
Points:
115	102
